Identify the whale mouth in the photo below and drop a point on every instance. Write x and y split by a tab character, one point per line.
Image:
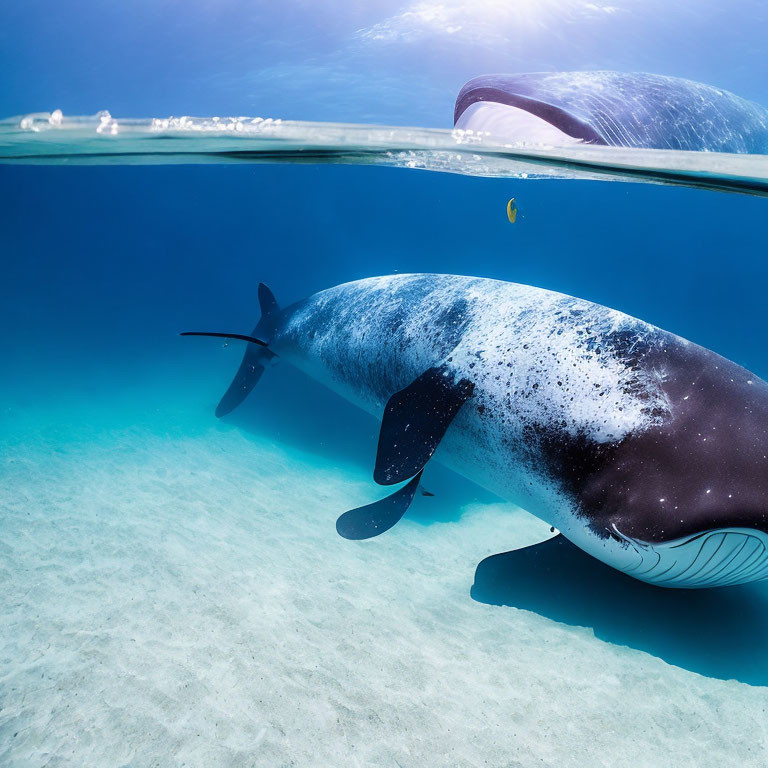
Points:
516	117
715	558
513	124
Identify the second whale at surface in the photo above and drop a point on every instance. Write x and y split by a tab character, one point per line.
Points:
619	109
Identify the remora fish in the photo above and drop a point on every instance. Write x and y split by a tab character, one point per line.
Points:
619	109
647	451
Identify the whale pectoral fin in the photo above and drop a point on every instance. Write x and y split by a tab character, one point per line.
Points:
373	519
415	420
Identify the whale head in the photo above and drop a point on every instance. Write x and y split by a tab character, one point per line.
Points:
623	109
685	498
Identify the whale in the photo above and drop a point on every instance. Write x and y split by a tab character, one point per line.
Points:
646	451
618	109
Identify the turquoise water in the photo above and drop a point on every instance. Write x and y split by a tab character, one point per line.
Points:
174	591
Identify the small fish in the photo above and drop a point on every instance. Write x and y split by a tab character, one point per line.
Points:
512	210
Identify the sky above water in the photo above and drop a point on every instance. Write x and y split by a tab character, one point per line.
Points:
350	61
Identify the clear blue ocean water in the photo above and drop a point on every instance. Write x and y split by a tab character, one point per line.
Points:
172	588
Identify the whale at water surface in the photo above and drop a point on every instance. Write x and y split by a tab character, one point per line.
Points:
647	451
619	109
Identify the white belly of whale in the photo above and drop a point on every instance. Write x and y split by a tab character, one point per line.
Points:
716	558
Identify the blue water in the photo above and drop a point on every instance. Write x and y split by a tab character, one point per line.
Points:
112	451
142	253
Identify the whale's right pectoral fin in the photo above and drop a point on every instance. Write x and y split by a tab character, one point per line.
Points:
373	519
415	420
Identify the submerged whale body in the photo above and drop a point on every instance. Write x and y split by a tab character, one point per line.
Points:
620	109
647	451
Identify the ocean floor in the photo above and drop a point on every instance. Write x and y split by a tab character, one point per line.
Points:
176	596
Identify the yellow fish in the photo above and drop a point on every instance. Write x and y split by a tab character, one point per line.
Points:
512	211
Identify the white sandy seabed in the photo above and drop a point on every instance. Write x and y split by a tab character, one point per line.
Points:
182	598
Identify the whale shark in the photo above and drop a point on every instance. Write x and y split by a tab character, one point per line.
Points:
619	109
647	451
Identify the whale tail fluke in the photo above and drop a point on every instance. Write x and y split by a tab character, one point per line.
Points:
256	357
257	353
255	360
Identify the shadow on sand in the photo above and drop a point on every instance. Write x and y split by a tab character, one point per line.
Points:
721	633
